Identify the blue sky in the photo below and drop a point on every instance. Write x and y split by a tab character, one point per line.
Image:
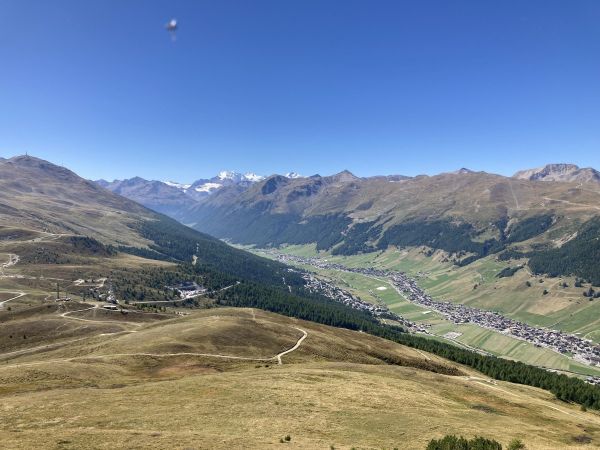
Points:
314	86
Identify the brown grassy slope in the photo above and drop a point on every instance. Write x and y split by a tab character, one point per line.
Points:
232	332
336	389
41	196
478	198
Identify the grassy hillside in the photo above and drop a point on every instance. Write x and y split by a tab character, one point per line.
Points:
148	386
51	213
55	222
476	285
468	215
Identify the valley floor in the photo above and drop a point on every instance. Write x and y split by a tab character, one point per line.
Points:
446	282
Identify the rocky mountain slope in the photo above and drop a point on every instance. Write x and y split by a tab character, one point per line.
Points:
47	212
465	213
488	204
560	172
42	196
162	197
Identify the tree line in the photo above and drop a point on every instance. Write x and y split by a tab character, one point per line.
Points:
579	256
325	311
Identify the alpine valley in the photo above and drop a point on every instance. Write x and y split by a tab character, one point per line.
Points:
523	247
122	327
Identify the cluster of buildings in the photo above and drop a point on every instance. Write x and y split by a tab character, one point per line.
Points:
583	350
593	380
188	289
337	294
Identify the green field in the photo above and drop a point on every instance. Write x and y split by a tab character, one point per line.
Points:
519	297
440	281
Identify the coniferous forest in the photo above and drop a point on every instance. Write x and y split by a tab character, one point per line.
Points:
579	256
269	285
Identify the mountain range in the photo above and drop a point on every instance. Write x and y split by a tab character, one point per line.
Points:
150	192
465	213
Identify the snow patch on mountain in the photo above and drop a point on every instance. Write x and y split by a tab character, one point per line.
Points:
208	187
184	187
199	188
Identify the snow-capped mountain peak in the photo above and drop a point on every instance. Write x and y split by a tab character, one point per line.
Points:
229	175
250	176
203	187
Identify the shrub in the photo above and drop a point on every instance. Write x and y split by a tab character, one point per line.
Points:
516	444
451	442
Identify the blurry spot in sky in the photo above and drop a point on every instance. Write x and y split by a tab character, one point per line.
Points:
171	27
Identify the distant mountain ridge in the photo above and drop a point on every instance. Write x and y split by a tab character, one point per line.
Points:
560	172
161	197
137	187
465	213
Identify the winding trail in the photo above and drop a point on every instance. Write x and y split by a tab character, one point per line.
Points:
38	348
112	322
12	260
19	295
13	354
571	203
278	356
210	355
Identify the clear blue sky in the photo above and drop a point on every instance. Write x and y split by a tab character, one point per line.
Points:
315	86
